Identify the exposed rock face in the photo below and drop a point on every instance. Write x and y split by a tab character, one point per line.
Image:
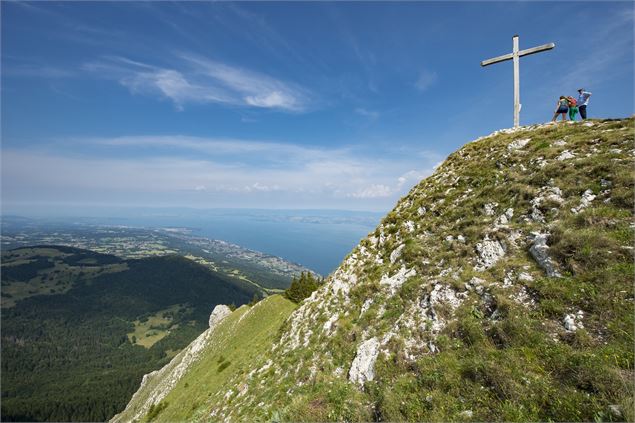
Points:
573	322
505	218
566	155
396	253
585	201
546	193
157	385
518	144
363	366
395	281
489	252
540	252
219	313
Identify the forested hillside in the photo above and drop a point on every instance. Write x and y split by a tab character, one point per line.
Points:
79	329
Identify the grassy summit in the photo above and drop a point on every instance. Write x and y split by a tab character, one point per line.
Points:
500	288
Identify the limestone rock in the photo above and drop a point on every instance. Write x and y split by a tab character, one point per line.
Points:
363	366
395	281
553	194
573	322
518	144
504	218
489	252
565	155
585	201
539	250
396	253
490	209
410	226
219	313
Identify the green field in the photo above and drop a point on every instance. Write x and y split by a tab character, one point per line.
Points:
153	328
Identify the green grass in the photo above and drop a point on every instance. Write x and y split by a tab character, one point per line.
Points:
520	365
240	342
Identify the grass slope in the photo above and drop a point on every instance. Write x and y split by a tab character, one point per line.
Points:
240	342
462	340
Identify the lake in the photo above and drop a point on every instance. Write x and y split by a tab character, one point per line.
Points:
317	239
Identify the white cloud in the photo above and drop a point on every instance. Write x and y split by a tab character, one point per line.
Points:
195	79
373	191
226	149
427	78
220	172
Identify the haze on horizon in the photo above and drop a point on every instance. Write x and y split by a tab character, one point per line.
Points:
279	105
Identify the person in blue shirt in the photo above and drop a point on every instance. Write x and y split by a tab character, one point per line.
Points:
583	101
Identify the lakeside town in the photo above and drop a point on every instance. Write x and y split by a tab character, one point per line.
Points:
269	272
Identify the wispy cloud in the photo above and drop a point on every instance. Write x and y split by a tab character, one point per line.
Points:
196	79
427	78
225	149
251	173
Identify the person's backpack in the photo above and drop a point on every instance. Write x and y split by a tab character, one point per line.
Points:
572	102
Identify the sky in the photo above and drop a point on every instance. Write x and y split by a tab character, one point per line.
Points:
294	105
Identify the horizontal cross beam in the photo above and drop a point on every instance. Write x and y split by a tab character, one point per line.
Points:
525	52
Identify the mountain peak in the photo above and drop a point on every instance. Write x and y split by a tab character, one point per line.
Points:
499	288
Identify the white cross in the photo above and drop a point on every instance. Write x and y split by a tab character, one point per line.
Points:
515	55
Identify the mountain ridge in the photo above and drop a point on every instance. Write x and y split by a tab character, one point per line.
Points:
499	288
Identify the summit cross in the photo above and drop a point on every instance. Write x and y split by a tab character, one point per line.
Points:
515	55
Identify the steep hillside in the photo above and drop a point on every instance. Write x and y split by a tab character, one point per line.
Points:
499	288
79	329
232	345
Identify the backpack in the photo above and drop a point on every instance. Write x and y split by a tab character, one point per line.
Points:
572	102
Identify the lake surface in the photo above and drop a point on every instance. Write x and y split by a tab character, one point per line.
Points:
319	244
317	239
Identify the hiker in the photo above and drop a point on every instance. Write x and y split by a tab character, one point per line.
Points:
583	101
561	108
573	107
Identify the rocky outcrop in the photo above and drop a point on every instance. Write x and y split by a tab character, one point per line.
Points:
585	201
363	366
539	250
489	252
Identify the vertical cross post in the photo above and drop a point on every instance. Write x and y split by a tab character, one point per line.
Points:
516	60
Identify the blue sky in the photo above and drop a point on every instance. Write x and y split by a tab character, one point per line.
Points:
282	104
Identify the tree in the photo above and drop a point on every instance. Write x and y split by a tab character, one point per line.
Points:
302	287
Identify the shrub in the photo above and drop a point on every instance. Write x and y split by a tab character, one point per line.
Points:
155	410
